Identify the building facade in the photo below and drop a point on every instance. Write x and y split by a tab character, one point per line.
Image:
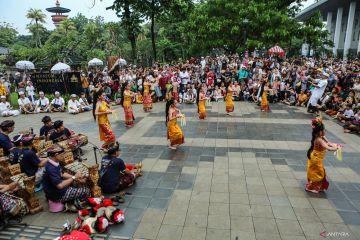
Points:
342	19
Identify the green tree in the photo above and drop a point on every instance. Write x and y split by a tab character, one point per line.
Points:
37	18
8	34
130	21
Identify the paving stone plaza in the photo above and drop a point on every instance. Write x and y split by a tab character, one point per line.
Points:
238	177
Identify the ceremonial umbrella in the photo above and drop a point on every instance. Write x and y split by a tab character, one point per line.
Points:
95	62
122	62
276	51
61	68
25	65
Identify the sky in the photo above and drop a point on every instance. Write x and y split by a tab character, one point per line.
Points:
14	11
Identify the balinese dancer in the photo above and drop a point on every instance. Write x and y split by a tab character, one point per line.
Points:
201	99
264	97
229	99
174	133
126	103
147	96
102	110
316	177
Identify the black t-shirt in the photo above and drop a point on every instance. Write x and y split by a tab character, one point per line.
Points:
44	130
29	162
60	136
110	181
52	177
14	155
5	143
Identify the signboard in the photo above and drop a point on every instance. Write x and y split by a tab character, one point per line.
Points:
67	83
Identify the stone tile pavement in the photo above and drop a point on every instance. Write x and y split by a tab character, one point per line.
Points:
237	177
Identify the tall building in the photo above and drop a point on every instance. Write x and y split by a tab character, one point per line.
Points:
342	21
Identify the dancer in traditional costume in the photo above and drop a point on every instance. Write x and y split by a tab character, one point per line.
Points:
174	133
147	96
264	100
102	111
316	177
229	99
126	103
201	99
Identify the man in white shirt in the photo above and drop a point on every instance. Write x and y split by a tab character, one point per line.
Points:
30	90
5	108
190	97
57	104
316	94
185	79
84	102
347	115
74	107
43	104
25	105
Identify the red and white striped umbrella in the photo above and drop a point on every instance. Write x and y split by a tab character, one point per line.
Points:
276	50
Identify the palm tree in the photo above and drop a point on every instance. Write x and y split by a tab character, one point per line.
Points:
37	18
66	26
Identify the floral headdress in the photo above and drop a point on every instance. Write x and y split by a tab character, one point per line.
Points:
317	122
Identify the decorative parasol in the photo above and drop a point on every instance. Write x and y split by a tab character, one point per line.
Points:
122	62
25	65
95	62
60	68
276	51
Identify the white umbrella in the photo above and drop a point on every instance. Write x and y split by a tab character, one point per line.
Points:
95	62
122	62
25	65
60	68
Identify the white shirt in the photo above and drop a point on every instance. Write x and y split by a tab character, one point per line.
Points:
42	102
4	106
59	101
349	113
30	90
23	101
185	77
83	103
73	105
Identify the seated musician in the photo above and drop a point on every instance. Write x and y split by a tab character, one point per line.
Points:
115	175
30	163
43	104
25	104
61	133
11	205
16	151
57	185
74	106
47	128
6	127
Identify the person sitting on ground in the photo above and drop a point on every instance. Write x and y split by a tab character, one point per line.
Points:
58	185
74	107
43	103
347	115
30	163
6	127
47	128
217	94
190	97
6	109
16	151
25	105
84	102
61	133
57	104
236	93
290	97
354	125
302	99
11	205
30	90
115	175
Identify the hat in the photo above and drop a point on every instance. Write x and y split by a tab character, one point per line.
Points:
17	138
41	93
57	93
21	93
73	95
17	74
3	97
7	124
54	150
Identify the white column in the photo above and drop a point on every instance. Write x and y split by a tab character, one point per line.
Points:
337	30
328	22
349	28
